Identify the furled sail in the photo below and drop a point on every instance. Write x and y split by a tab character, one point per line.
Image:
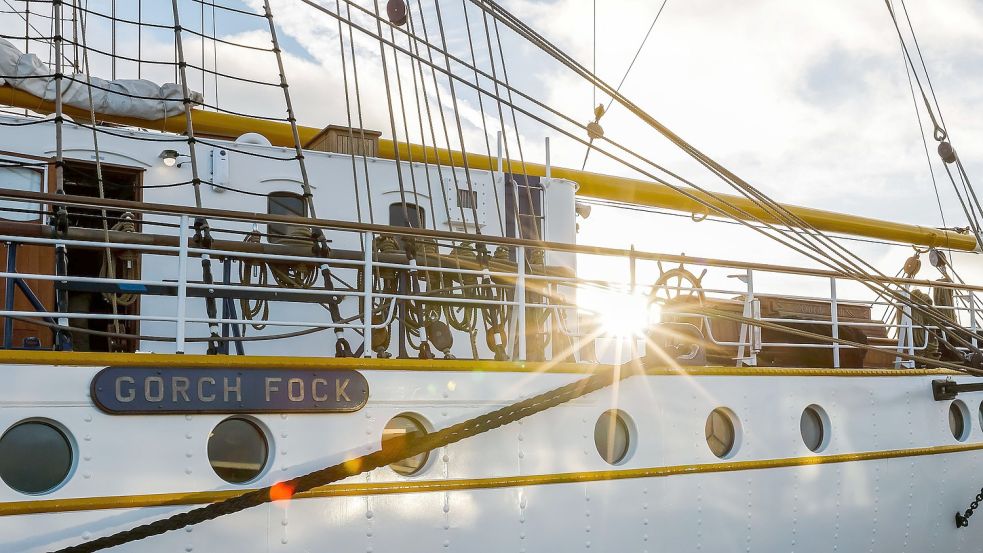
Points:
137	98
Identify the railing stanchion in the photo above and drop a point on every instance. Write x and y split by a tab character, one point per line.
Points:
835	320
8	300
747	336
972	316
906	339
368	241
182	283
520	296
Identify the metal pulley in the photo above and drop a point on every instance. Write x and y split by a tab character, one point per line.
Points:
912	265
594	129
396	10
947	152
439	334
598	112
939	261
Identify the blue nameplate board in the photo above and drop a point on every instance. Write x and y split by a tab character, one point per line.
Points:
166	390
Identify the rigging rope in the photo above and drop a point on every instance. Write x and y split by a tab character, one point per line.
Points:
623	77
825	247
398	166
526	112
928	157
108	266
457	119
358	108
481	110
681	191
202	231
417	85
514	111
62	339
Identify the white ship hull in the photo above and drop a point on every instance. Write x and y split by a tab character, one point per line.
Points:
890	477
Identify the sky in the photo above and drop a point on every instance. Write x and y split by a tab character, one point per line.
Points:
810	102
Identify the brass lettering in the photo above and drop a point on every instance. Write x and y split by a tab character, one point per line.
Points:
130	393
314	385
153	397
339	390
237	389
201	389
299	395
179	385
271	386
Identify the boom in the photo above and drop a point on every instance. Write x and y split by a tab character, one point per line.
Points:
592	185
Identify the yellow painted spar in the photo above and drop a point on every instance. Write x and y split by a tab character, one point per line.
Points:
592	185
12	508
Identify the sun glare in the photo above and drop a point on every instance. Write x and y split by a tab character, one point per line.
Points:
620	313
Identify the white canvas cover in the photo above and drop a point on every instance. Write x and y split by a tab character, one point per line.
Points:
137	98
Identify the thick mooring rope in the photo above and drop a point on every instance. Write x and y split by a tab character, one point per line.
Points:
387	455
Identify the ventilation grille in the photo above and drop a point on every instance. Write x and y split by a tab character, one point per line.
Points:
467	199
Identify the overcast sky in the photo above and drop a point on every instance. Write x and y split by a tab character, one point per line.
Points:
809	101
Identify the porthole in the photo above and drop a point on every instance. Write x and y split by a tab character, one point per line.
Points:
722	432
814	428
398	431
35	457
238	450
959	422
612	436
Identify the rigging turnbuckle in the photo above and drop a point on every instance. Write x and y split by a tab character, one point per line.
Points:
948	389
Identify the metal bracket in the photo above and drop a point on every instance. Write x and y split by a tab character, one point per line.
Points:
947	389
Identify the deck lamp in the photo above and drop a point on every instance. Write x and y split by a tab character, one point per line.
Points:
171	158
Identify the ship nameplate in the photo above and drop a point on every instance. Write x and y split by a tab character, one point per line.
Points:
168	390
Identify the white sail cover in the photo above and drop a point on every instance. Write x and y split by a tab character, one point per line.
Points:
138	98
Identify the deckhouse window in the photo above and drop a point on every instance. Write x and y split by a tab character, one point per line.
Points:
20	178
407	215
524	215
284	203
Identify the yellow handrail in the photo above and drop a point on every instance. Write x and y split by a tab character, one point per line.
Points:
592	185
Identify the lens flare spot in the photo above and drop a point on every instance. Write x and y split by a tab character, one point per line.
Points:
281	491
620	313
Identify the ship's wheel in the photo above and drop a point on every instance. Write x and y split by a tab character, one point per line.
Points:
678	290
